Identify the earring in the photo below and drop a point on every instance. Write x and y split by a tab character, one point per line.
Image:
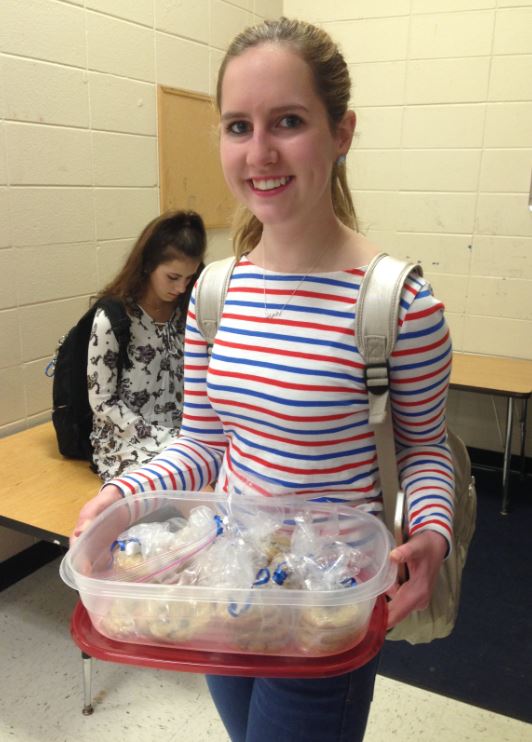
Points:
341	160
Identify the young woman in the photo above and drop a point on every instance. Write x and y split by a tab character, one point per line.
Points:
282	406
138	412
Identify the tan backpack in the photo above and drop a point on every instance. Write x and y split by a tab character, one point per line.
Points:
376	332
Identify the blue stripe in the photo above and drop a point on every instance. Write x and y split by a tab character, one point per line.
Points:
202	431
422	390
418	462
302	457
292	278
422	413
159	476
396	368
196	464
422	333
305	485
432	497
289	338
289	369
321	432
174	468
137	481
291	308
290	402
427	516
423	431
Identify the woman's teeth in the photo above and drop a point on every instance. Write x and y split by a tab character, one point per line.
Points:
270	184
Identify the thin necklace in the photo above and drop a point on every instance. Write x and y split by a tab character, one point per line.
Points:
274	313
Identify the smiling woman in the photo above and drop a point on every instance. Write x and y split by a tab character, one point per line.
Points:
279	405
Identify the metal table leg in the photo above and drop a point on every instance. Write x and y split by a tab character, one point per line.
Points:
507	456
87	684
522	427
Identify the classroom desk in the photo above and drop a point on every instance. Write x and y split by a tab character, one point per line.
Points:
42	493
503	377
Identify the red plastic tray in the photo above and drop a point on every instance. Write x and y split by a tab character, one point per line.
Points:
96	645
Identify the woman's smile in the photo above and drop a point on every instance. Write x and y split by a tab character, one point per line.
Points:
277	148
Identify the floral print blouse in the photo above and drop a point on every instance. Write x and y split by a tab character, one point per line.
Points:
138	416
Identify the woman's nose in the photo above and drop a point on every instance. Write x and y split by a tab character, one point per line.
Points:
261	151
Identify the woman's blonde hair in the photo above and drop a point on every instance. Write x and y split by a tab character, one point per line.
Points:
333	86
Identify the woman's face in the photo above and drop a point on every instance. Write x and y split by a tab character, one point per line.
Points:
277	148
170	279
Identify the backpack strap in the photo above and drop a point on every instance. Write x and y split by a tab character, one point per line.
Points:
211	290
376	327
121	326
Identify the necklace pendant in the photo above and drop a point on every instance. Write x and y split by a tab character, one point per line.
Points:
273	315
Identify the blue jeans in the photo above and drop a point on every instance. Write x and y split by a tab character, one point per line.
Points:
295	710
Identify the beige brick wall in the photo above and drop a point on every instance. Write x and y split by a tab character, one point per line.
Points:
441	163
78	157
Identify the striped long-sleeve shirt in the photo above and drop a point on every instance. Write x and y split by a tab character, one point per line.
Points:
282	407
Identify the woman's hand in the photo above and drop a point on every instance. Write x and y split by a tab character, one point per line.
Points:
422	555
105	497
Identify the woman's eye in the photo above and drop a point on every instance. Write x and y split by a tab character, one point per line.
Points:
290	122
238	127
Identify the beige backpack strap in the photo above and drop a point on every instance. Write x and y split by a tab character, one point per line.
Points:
211	290
376	334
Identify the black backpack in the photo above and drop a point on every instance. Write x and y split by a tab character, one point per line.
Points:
72	414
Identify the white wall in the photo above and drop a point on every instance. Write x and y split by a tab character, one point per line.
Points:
441	163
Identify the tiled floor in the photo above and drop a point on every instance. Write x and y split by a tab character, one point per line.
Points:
41	691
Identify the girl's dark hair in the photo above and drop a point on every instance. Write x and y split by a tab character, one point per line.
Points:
172	235
333	86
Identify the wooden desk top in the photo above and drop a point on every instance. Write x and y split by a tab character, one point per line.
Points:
492	374
42	493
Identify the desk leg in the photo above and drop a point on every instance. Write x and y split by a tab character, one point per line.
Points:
507	456
87	684
522	425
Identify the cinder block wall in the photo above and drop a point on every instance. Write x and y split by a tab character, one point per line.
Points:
78	156
440	166
441	163
78	160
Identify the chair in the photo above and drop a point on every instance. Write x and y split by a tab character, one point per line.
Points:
95	645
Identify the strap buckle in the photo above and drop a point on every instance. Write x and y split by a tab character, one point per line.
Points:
377	377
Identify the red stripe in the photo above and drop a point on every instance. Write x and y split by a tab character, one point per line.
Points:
129	486
424	312
424	441
169	472
291	323
278	415
421	348
422	401
140	473
306	471
211	419
432	522
413	379
311	443
287	292
412	424
438	506
286	384
291	354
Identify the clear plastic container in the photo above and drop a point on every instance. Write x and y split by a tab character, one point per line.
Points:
274	576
